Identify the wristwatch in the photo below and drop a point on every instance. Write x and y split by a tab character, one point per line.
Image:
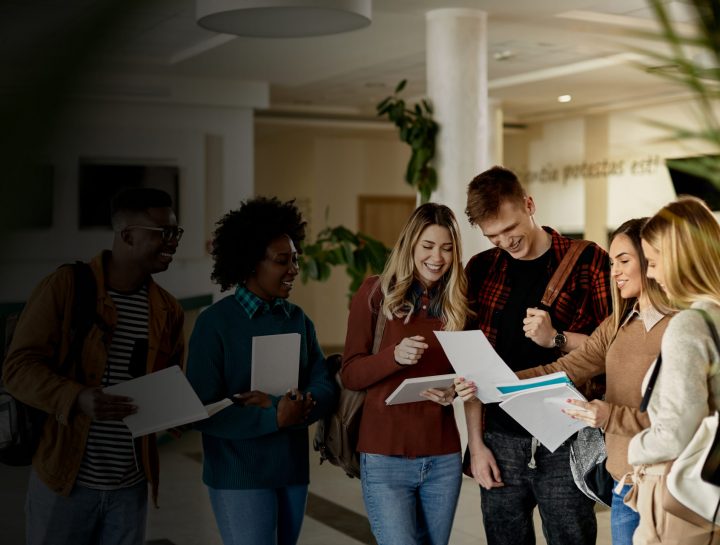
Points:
559	340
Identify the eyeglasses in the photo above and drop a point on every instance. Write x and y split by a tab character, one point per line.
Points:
169	232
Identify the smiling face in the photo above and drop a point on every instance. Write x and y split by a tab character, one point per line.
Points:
274	275
433	254
147	247
655	269
514	230
625	267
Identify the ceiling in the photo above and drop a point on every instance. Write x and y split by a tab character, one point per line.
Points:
537	49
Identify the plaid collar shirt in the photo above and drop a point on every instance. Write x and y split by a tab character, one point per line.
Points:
254	305
582	304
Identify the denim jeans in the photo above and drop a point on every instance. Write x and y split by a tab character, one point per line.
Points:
260	516
411	500
86	516
568	517
623	520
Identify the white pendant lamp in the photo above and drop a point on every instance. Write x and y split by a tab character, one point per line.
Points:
283	18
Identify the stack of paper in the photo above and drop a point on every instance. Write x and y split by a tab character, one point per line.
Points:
537	405
164	400
275	364
410	389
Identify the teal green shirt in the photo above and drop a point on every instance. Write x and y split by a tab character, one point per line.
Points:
243	447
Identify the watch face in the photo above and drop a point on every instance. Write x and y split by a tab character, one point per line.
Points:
560	340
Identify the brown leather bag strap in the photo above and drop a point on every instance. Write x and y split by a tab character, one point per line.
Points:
563	271
379	330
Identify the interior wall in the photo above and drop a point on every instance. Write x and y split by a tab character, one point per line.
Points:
138	133
326	168
558	161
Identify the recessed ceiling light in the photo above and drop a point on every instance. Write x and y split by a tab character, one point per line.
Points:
564	98
503	55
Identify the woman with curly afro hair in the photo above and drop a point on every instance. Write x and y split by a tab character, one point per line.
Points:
255	461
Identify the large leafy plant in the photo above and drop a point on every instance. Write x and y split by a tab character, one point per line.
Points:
418	129
360	254
693	61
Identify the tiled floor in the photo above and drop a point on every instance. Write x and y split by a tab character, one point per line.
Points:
335	506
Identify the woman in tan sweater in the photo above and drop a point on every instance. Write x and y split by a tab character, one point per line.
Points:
623	346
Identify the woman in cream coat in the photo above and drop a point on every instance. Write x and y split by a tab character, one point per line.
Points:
682	246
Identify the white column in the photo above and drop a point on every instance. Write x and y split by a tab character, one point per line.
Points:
457	86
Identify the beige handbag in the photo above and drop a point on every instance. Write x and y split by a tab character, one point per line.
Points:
686	495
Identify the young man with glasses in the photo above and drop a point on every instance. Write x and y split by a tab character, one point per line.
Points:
89	482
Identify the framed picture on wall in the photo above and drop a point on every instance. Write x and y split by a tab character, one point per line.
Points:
100	180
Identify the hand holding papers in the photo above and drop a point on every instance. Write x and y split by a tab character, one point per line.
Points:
275	363
410	389
165	400
473	357
537	405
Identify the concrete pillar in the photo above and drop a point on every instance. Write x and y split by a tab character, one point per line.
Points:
457	86
596	188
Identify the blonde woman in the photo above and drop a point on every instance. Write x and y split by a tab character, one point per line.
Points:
410	459
682	246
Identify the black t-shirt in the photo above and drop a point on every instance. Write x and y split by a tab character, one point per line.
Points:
528	280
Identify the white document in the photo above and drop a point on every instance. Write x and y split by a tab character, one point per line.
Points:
539	411
473	357
410	389
275	365
164	399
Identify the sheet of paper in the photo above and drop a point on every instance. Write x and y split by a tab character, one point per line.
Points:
539	411
409	389
473	357
275	363
165	399
214	408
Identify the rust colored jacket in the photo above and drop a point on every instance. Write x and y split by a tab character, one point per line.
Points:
41	343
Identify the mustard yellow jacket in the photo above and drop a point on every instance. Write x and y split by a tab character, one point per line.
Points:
41	343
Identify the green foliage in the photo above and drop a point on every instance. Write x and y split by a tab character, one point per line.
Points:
362	255
418	129
693	62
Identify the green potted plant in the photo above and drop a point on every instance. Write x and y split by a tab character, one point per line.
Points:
360	254
418	129
693	62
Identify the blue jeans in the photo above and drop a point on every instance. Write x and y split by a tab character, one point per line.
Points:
623	520
568	517
259	516
86	516
411	500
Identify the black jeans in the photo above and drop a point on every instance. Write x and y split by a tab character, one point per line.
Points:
568	516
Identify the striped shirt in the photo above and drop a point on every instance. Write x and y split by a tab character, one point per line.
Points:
110	461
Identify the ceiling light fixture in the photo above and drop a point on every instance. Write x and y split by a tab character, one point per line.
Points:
503	55
564	98
283	18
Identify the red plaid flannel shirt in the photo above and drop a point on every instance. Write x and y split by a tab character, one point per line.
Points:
582	304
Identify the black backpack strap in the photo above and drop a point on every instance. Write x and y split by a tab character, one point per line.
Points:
651	384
